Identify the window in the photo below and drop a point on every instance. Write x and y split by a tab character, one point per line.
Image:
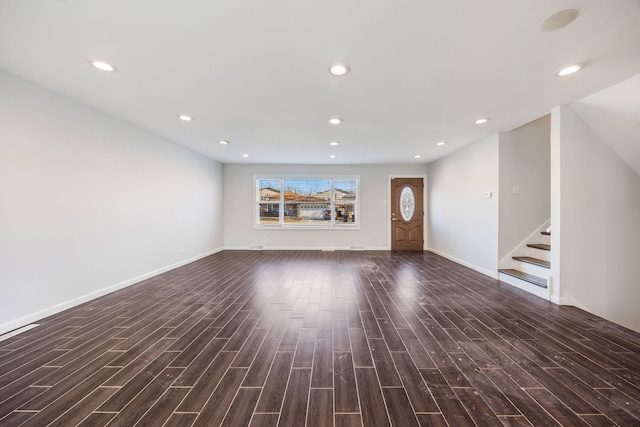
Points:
307	202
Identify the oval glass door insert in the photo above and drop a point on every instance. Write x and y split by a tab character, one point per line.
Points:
407	203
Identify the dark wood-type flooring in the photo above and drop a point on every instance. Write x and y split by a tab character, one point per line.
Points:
321	339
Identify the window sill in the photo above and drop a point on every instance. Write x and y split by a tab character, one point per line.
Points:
353	227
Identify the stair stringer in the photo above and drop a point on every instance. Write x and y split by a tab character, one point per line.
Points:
522	250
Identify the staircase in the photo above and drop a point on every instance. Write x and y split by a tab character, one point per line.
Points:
529	267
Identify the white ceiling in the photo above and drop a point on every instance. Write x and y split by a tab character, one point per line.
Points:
255	72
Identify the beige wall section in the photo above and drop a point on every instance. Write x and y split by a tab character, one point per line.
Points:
374	232
524	163
463	221
90	203
597	223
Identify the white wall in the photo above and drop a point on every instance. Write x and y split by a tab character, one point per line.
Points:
524	162
596	220
463	223
89	203
614	115
374	232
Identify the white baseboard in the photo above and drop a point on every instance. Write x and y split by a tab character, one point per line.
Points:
575	303
18	331
492	274
30	318
305	248
556	299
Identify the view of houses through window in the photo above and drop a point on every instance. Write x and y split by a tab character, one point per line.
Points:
307	202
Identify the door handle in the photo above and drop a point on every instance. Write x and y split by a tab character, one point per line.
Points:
394	219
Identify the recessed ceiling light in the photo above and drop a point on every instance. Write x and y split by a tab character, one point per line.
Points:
339	69
334	143
481	121
417	156
440	143
245	155
335	120
103	66
185	118
333	156
223	142
570	70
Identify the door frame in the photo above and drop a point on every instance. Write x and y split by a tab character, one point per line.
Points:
424	207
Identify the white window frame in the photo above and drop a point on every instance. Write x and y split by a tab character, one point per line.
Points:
331	225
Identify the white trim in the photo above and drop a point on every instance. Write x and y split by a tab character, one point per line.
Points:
25	320
491	274
335	227
18	331
305	248
560	301
573	302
